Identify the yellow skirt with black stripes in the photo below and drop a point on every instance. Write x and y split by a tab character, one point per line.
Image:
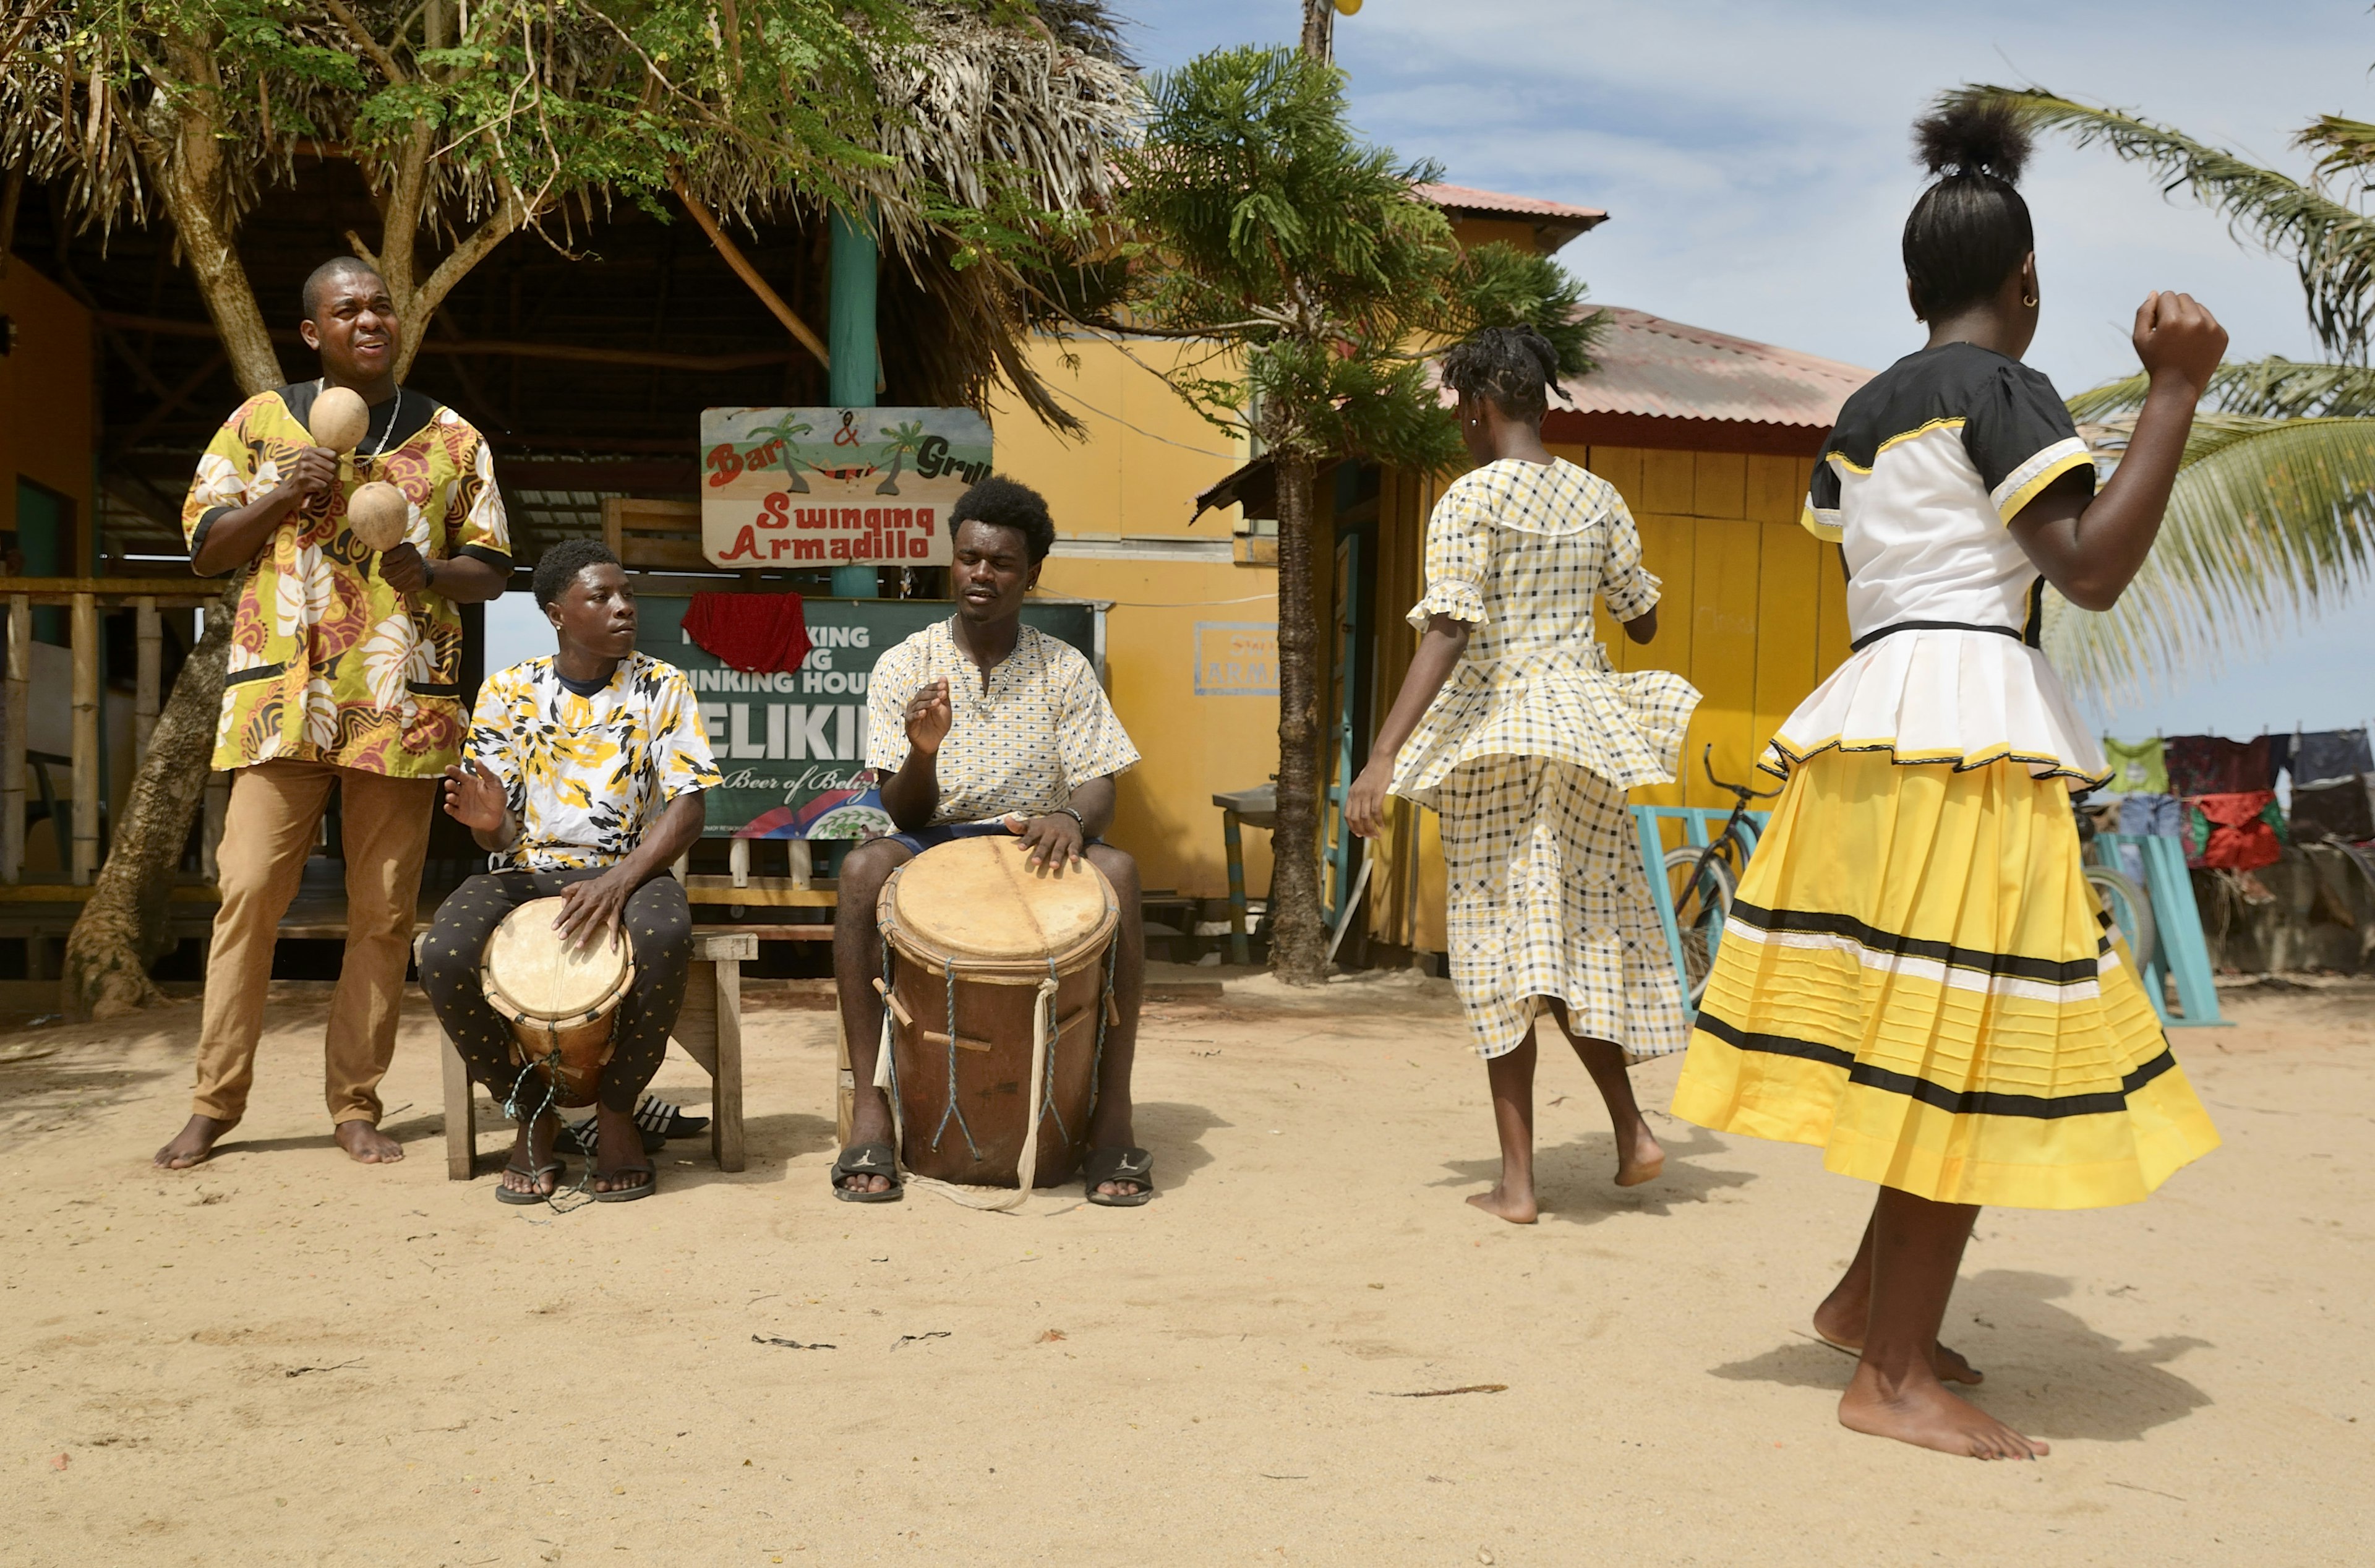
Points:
1917	979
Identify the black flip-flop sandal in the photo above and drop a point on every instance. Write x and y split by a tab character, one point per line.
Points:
583	1136
628	1194
506	1195
1134	1165
867	1159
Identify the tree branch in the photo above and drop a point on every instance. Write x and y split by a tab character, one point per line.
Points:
366	43
747	273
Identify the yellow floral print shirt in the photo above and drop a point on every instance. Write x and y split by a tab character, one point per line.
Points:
587	776
1041	731
329	664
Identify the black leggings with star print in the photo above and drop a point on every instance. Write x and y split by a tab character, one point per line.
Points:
658	924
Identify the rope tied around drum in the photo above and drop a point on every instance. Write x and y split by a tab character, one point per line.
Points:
549	1068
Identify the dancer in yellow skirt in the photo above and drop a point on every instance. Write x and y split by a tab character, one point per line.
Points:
1915	976
1511	724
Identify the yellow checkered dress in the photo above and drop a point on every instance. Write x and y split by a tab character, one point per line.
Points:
1527	753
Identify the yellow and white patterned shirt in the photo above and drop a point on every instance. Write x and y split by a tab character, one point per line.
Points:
1042	730
587	776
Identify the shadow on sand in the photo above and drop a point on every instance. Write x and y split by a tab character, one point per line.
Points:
1576	1181
2047	1373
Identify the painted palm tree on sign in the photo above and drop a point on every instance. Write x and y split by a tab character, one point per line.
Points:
902	442
785	432
2273	515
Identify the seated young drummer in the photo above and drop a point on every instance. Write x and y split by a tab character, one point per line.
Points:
585	781
982	725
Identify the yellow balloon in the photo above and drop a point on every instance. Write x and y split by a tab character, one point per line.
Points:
1347	7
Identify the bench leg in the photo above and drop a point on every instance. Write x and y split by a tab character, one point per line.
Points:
1240	954
461	1113
726	1086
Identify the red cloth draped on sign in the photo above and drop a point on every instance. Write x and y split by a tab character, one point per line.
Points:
757	633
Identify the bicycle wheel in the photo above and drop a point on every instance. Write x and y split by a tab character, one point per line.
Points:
1701	895
2130	910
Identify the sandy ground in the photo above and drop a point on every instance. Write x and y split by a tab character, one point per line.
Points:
283	1357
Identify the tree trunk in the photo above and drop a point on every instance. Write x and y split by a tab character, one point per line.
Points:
124	927
1298	945
122	930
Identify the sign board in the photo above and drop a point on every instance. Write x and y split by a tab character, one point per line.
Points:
835	487
1236	658
792	745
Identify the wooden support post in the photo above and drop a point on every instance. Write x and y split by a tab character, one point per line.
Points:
737	861
803	865
725	1091
148	684
86	738
12	752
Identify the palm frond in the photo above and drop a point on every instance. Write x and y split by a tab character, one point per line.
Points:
2270	519
2345	147
2274	388
2330	244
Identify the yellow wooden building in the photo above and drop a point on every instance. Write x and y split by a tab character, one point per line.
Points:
1709	438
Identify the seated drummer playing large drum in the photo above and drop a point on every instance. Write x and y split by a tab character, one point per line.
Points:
982	725
584	784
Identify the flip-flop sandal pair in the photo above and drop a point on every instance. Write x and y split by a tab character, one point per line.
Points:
1133	1165
867	1159
535	1178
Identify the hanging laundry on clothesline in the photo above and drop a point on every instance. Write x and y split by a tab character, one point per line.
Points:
2340	808
2205	764
2329	754
2239	832
2136	767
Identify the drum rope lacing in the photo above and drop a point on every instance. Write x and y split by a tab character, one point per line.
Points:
551	1068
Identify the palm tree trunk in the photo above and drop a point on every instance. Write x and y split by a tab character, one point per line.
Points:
1297	942
125	927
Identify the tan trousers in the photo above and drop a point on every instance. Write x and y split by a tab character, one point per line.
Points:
276	810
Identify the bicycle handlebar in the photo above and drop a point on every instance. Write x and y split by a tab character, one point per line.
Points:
1707	761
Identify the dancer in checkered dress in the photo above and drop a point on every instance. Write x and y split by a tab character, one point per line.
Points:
1512	725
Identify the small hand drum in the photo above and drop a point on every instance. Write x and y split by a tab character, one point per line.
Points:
560	997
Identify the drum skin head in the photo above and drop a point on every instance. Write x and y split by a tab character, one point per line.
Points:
979	901
531	973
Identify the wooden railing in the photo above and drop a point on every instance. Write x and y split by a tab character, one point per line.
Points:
82	596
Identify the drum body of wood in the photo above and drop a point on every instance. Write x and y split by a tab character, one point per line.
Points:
973	912
560	997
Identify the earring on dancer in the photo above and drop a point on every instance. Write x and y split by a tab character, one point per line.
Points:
2030	300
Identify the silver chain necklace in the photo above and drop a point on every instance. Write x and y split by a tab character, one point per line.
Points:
323	384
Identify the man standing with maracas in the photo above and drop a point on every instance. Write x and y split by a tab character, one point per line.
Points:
361	514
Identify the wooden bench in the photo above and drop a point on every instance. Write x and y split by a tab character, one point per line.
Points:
709	1029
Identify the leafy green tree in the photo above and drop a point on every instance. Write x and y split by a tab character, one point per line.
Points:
2273	513
1262	225
475	121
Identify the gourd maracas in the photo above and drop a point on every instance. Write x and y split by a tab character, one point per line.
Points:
377	513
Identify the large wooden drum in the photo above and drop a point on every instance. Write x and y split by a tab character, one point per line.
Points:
559	996
972	927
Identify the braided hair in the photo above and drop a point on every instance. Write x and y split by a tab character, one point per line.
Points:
1969	231
1514	366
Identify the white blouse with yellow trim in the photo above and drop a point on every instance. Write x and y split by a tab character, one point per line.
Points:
1929	461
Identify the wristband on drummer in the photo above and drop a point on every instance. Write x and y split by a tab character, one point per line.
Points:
1082	822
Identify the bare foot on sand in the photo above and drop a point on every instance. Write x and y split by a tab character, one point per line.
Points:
1841	1330
191	1144
1922	1412
366	1145
1639	1158
1509	1201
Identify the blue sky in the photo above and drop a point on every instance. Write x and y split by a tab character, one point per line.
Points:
1753	159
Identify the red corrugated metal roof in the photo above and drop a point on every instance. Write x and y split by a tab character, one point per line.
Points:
1660	368
1467	198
